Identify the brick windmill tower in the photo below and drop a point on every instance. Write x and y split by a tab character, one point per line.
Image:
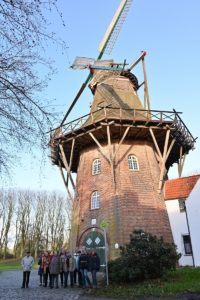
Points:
120	152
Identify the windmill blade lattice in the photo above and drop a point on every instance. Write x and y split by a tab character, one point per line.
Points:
112	33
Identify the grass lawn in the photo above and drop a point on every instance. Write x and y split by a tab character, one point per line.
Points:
178	282
12	264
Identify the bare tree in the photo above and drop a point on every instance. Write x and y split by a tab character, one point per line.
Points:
24	35
2	218
40	219
69	205
23	221
9	210
56	220
6	212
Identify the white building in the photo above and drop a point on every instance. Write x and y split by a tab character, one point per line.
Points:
182	198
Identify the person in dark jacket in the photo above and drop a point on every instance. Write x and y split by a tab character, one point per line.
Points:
46	268
41	268
50	256
83	265
55	267
94	267
62	260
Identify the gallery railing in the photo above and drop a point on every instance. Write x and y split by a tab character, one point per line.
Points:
134	116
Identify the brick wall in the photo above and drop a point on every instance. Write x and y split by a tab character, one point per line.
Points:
133	202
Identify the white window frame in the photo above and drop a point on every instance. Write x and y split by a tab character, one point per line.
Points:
96	166
95	200
133	163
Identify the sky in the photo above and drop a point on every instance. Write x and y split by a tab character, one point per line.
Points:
167	30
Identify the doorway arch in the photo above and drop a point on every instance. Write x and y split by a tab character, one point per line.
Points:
93	238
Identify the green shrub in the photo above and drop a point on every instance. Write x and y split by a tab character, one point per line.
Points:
145	257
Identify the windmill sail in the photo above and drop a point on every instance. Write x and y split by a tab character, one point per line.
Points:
113	30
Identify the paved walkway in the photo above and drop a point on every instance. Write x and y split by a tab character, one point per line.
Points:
10	288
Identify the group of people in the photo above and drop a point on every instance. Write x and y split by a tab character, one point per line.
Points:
68	268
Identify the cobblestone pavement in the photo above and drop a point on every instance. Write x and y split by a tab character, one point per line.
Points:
10	288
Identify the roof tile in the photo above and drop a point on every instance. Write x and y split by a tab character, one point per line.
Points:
180	187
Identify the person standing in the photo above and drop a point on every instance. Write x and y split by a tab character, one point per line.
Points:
62	269
76	270
65	268
55	267
71	268
83	267
27	262
94	267
46	268
41	267
68	267
51	255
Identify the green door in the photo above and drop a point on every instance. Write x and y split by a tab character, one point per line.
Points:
95	240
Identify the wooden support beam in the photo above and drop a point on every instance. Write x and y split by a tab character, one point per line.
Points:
146	92
108	135
83	133
100	147
170	148
71	158
137	61
162	158
181	162
162	172
65	182
63	157
158	158
121	141
71	154
156	144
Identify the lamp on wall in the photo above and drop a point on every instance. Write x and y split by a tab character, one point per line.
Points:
116	246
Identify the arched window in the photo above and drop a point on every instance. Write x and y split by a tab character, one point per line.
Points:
95	200
133	163
96	166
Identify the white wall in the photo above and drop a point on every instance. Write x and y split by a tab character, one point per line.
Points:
193	213
179	227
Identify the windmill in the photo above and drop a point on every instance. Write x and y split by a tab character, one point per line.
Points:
120	151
